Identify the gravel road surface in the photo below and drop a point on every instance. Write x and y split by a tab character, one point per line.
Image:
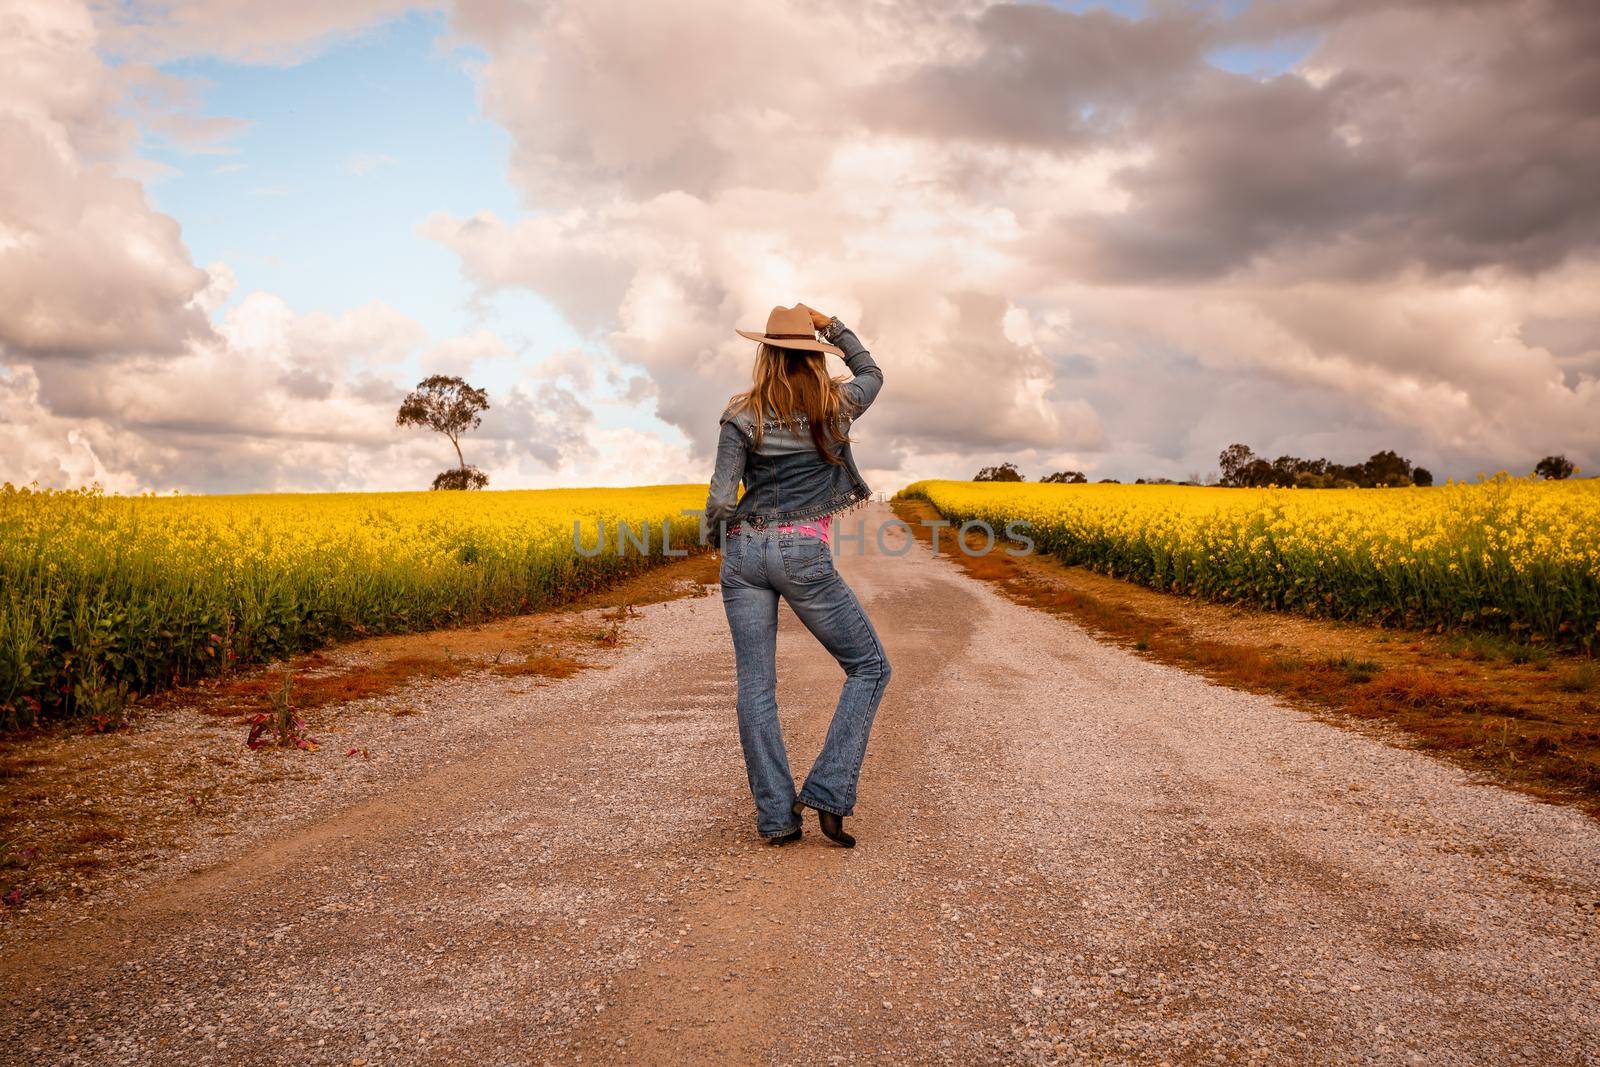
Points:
1067	853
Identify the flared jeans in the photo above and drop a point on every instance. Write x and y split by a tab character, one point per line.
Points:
758	567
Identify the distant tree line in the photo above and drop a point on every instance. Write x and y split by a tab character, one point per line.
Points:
1242	467
1008	472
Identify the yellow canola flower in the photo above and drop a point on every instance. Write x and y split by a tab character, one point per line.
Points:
100	591
1509	554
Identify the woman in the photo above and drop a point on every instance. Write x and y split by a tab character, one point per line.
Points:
786	439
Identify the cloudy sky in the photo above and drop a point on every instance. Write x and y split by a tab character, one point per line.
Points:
1111	236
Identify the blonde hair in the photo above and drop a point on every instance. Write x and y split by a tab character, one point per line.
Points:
792	385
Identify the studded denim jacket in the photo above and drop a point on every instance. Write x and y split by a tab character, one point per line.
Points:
784	478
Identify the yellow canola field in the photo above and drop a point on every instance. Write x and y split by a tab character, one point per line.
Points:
101	594
1510	555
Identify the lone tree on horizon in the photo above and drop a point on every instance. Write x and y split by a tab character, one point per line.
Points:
1554	468
447	405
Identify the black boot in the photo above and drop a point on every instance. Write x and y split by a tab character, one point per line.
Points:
832	826
791	836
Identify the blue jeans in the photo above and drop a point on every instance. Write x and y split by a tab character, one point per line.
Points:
759	566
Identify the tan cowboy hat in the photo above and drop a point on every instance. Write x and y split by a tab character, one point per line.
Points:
791	328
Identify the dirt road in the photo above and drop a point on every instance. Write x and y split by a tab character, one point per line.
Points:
1066	852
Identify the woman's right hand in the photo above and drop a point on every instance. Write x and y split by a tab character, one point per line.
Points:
818	319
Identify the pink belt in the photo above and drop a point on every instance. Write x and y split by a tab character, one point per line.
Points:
820	528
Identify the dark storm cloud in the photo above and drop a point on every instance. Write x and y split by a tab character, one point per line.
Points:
1270	18
1239	170
1030	74
1446	136
1478	146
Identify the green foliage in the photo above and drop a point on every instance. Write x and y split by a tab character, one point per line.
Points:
1555	468
1356	671
1005	472
1584	678
468	477
280	726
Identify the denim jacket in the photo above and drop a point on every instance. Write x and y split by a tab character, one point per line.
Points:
784	479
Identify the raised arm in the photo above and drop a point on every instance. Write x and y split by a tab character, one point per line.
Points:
863	388
725	477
